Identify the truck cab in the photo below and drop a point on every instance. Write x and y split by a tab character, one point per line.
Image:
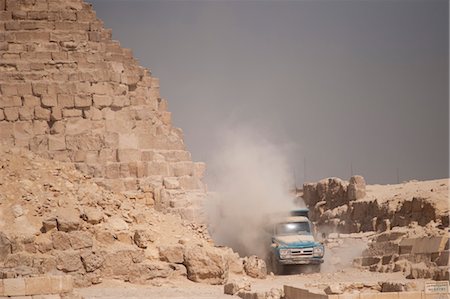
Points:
293	243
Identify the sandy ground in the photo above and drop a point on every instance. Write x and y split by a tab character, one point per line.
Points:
183	288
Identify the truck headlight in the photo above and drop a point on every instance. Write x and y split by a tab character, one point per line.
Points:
318	251
285	253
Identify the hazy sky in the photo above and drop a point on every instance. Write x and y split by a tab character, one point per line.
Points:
341	84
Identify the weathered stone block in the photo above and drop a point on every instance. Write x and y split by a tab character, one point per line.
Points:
31	101
48	101
42	113
83	101
158	168
138	169
128	155
40	127
56	142
102	100
38	285
61	284
182	168
10	101
14	287
70	113
77	126
112	170
26	113
66	100
11	113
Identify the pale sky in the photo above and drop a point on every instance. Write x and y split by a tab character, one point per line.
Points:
342	84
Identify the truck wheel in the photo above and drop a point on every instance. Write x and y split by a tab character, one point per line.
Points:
276	268
312	269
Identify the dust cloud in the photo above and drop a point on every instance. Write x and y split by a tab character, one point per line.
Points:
250	181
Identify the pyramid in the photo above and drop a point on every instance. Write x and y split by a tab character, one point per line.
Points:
69	92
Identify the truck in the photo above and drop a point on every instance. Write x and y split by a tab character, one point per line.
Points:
293	243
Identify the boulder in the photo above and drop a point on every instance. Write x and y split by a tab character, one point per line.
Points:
67	223
234	287
92	215
142	238
255	267
205	264
92	260
172	254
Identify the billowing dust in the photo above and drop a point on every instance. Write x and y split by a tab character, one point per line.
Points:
252	181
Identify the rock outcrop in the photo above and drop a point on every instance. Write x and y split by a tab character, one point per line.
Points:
69	92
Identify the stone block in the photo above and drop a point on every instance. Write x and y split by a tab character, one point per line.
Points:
61	284
158	168
84	142
128	141
23	130
182	168
10	101
14	287
66	100
42	113
30	101
147	155
102	100
56	113
83	101
2	115
128	155
11	113
38	285
38	143
112	170
26	113
190	183
101	88
40	127
9	89
49	101
77	126
56	142
171	183
70	113
138	169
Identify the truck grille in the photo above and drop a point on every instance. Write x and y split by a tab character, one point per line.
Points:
302	252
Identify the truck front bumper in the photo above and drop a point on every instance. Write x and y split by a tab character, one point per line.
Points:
300	261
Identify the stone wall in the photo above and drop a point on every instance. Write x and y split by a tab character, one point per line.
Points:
71	93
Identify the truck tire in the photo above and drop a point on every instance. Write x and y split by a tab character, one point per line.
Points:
275	267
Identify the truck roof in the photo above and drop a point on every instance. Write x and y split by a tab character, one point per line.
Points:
295	219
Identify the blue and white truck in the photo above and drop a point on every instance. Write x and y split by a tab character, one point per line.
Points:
293	243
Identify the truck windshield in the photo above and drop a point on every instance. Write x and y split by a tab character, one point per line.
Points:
292	228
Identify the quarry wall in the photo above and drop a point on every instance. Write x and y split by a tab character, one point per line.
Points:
69	92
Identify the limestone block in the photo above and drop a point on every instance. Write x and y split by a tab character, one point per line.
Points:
23	130
40	127
162	105
38	285
39	89
94	113
147	155
138	169
14	287
101	88
10	101
31	101
38	143
25	36
9	89
56	113
69	113
84	142
102	100
172	253
128	155
56	142
190	183
182	168
107	155
26	113
61	284
124	170
120	101
171	183
2	115
11	113
66	100
77	126
83	101
41	113
128	141
158	168
112	170
122	126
